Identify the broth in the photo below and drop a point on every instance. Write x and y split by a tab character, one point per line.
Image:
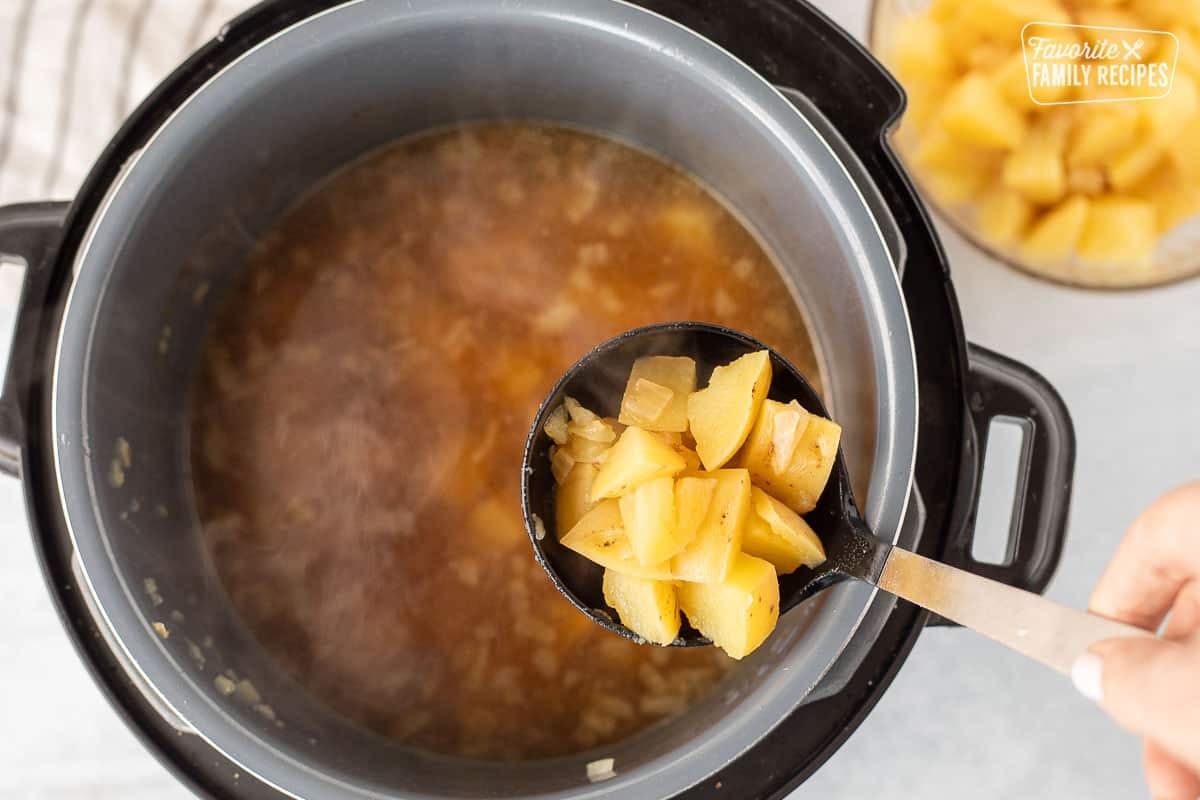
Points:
362	410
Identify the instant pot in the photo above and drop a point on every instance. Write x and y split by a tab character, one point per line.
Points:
776	109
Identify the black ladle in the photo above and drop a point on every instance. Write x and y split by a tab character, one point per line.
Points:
1030	624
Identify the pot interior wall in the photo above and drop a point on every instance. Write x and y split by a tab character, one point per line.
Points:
235	157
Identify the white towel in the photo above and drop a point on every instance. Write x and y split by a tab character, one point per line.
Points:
72	70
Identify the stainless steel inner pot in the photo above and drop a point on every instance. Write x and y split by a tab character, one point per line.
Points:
264	130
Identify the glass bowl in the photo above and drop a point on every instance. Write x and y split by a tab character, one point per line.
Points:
982	210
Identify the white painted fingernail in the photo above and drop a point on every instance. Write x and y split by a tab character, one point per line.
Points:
1086	675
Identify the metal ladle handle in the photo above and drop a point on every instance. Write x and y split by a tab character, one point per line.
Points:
1030	624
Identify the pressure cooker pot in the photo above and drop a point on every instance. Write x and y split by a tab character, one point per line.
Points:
773	108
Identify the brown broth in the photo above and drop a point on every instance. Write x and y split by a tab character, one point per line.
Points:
360	418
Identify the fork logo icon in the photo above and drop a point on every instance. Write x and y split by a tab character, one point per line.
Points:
1133	49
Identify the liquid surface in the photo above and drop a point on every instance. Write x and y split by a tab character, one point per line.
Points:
360	419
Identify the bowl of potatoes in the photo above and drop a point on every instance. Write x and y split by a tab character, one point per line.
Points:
1075	184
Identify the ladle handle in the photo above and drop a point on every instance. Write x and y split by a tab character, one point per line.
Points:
1028	623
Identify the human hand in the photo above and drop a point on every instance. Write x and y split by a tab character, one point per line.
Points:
1152	686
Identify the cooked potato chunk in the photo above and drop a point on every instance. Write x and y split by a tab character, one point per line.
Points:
800	484
600	537
718	538
657	392
976	113
1037	172
720	415
556	425
589	451
919	52
1003	216
574	498
647	607
693	495
777	534
646	401
637	457
594	430
649	516
1118	231
577	413
739	612
1100	136
561	463
1054	236
1126	169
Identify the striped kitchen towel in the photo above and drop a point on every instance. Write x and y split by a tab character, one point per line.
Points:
70	72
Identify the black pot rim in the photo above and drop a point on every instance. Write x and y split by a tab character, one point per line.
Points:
903	624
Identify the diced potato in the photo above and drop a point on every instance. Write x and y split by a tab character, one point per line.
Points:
645	401
1003	216
924	101
1011	77
738	613
939	150
690	457
637	457
675	440
787	429
589	451
1119	231
919	51
556	425
599	536
657	391
976	113
594	430
1130	167
577	413
647	607
1005	18
574	497
1170	117
1184	154
1189	52
1054	236
1036	173
649	516
1100	135
963	38
954	187
1102	17
693	496
721	414
561	463
801	483
780	535
1086	180
1175	197
718	538
943	10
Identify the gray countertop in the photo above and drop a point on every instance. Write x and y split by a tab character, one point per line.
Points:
963	718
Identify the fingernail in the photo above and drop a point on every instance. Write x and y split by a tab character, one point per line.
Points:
1085	674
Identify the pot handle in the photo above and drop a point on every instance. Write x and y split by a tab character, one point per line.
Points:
1000	388
29	233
